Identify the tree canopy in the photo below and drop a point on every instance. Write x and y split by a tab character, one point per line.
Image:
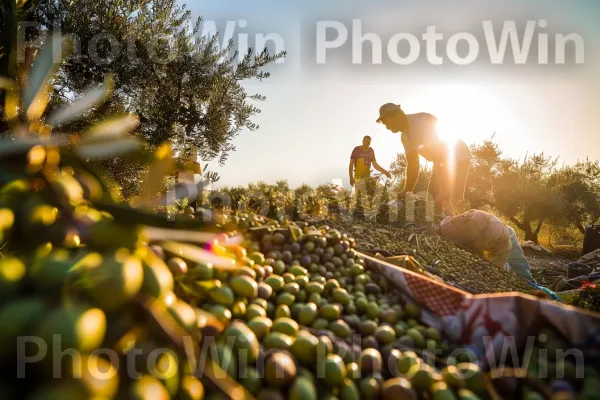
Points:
183	86
529	193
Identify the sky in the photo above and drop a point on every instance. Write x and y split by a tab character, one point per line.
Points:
325	95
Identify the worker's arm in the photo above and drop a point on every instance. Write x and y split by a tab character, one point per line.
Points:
382	170
378	167
351	171
412	171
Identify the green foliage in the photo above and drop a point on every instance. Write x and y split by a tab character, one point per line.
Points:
286	197
308	201
383	211
346	198
301	195
528	193
358	212
533	195
238	198
313	205
524	193
484	169
398	171
186	90
59	174
579	186
330	194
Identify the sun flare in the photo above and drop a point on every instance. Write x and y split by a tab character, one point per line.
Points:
467	112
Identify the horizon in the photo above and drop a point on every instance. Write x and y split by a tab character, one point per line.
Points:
315	114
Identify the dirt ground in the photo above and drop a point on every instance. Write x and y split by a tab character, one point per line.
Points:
547	268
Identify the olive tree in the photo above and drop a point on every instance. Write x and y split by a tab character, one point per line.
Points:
524	193
484	169
579	185
185	88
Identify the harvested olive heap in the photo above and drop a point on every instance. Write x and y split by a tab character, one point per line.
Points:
63	296
334	329
440	257
281	319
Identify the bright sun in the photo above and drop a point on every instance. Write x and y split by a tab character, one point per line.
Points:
471	113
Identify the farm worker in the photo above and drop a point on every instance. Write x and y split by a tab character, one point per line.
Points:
187	175
361	159
485	234
419	138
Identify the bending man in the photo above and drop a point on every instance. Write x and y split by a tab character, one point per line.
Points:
419	138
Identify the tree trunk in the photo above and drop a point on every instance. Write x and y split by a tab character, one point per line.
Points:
526	227
530	235
8	44
539	227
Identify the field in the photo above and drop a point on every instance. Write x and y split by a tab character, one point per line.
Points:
122	279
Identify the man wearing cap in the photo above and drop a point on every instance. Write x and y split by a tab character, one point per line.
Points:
420	138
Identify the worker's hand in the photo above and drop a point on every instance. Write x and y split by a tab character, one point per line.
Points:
402	194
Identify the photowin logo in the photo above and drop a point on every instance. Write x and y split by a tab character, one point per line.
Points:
231	38
497	44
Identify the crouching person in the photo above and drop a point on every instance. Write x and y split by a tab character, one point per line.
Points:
485	234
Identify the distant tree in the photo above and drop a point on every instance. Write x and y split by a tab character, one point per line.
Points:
237	197
257	192
313	205
329	193
579	185
485	163
272	196
282	185
525	194
301	195
285	194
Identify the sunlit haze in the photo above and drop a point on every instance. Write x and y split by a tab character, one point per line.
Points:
315	114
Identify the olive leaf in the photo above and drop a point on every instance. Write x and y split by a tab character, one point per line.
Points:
93	97
8	84
105	139
295	231
46	63
11	100
157	234
107	149
162	166
198	255
10	147
112	128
